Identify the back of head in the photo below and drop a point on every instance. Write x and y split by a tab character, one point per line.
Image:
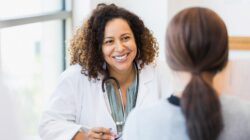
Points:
197	42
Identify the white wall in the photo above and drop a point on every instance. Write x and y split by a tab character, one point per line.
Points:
235	13
0	58
81	9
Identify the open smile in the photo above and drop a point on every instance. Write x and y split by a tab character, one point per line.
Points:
121	58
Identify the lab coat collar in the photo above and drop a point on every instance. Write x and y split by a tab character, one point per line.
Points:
146	76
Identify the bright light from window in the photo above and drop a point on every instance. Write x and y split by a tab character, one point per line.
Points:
17	8
32	58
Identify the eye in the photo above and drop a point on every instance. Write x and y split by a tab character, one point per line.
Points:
108	42
125	38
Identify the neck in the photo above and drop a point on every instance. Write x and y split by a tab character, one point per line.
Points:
183	78
123	77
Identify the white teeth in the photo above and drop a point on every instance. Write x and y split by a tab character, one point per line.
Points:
121	57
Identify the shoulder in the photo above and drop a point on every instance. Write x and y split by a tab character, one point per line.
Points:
162	110
235	107
135	124
159	116
70	86
72	71
68	80
234	104
236	114
71	78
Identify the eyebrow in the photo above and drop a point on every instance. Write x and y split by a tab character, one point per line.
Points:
109	37
126	34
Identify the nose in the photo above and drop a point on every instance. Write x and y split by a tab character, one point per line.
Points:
119	46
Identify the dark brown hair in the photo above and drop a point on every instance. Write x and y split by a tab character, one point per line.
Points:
197	42
86	45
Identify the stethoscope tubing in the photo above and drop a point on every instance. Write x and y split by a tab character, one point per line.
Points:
119	89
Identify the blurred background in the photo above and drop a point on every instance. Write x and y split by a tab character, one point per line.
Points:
35	35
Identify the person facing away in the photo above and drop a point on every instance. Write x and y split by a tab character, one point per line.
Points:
197	47
113	70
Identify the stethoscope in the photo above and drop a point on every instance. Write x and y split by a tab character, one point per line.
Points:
108	78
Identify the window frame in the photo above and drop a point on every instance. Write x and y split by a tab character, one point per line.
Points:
65	17
62	15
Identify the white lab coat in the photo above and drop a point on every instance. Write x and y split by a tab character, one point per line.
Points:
79	103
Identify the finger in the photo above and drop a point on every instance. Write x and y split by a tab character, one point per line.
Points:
101	130
98	134
90	134
102	136
106	137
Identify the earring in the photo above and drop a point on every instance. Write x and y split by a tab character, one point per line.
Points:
104	66
138	55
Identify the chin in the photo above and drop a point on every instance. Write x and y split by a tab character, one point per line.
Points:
123	67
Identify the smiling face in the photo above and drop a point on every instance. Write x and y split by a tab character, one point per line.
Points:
119	47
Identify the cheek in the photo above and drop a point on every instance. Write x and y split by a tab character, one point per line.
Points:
106	51
132	45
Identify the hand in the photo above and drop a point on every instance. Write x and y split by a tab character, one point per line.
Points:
100	133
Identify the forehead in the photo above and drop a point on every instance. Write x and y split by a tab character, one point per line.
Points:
117	26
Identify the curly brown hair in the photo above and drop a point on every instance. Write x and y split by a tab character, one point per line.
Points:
86	44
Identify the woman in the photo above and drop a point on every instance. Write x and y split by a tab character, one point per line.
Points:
112	71
197	47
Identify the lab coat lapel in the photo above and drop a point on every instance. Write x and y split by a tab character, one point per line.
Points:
106	107
106	100
146	76
104	96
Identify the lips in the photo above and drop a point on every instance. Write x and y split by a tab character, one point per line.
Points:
120	58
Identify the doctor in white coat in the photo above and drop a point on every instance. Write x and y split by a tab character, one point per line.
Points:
113	44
